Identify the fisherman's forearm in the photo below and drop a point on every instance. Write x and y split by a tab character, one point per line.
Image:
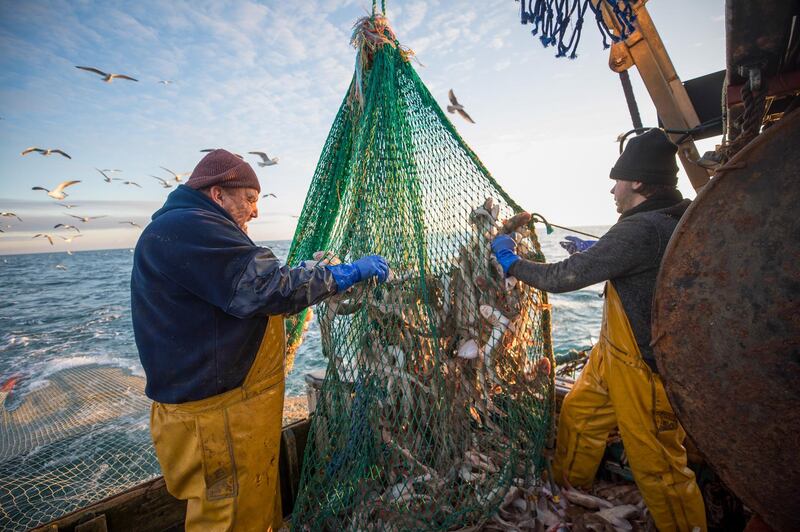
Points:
553	278
268	288
627	247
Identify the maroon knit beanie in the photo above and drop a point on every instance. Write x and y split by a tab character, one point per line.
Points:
224	169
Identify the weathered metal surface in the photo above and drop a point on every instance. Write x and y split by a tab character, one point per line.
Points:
726	323
757	33
780	85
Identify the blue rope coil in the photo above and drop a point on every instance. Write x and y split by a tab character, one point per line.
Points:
559	23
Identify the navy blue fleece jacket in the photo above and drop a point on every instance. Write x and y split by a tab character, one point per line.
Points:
200	294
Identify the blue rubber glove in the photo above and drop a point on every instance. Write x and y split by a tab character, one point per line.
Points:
346	275
503	248
574	244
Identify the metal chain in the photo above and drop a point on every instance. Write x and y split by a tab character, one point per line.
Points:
749	123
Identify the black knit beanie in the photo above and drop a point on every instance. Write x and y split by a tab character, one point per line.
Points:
649	158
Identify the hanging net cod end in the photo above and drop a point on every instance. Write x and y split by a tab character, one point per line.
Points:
439	390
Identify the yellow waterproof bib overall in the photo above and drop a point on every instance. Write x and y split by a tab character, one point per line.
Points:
617	388
221	453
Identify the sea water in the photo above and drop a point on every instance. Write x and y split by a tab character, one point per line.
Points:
53	319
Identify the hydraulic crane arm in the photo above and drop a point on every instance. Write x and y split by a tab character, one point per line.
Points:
644	49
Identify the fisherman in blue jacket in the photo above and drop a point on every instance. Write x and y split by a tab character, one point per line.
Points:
208	306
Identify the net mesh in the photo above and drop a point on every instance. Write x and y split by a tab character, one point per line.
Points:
76	440
438	393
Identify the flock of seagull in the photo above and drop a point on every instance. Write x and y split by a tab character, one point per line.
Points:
174	178
59	193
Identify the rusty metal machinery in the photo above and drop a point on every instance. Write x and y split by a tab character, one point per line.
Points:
726	323
763	35
763	65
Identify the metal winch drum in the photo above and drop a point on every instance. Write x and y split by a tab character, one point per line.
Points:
726	323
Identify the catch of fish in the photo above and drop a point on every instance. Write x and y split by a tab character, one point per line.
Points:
447	380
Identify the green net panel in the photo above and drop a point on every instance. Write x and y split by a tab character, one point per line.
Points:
80	437
438	392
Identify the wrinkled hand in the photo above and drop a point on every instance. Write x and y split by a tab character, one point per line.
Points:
372	266
503	248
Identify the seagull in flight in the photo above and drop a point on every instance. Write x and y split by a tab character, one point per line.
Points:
60	267
58	192
134	224
165	81
85	219
10	214
107	77
69	239
164	182
67	205
45	151
177	177
110	170
66	226
457	107
214	149
128	182
45	235
104	174
265	159
269	194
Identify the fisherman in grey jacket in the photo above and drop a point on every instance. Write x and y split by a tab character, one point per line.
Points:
620	386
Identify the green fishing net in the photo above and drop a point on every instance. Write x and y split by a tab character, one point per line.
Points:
439	387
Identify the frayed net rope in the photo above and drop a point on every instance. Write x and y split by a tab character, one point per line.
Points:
369	34
551	21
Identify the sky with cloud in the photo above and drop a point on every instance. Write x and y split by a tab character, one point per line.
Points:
270	76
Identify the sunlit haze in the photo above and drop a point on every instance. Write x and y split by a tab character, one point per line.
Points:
250	76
